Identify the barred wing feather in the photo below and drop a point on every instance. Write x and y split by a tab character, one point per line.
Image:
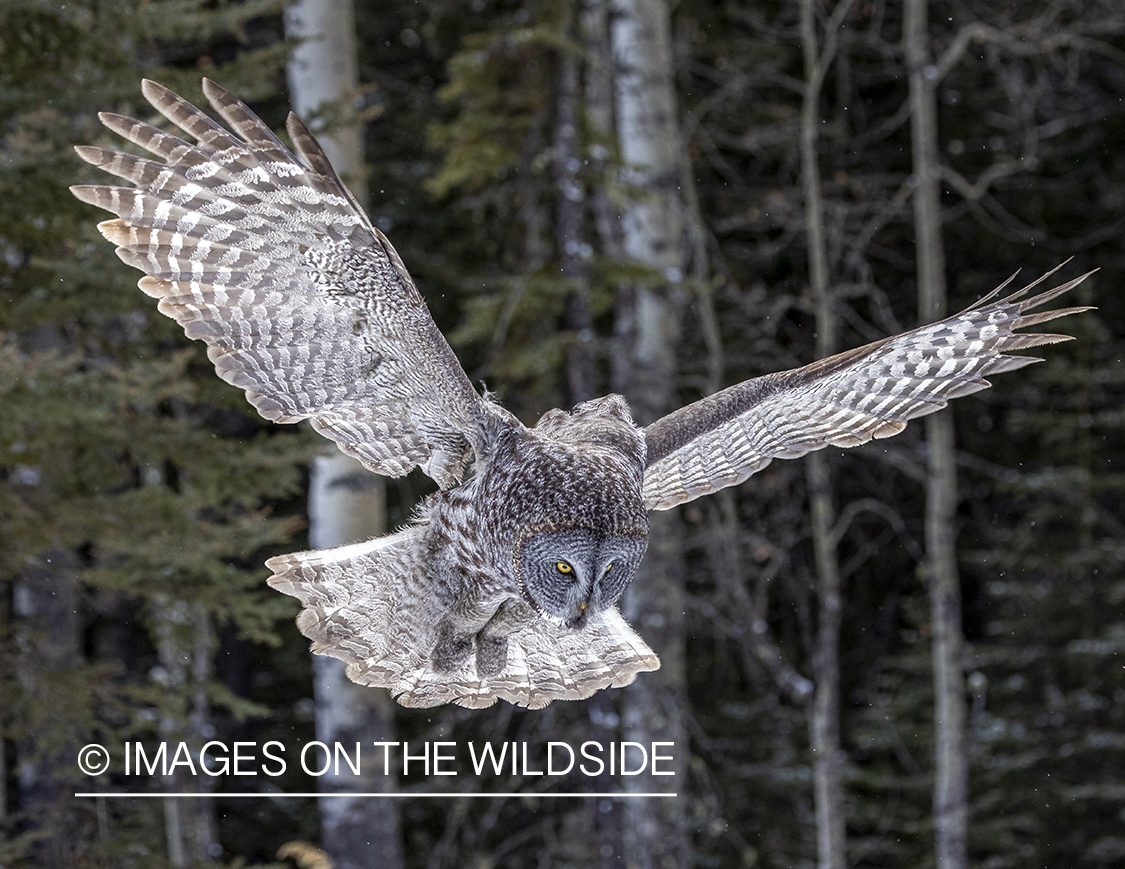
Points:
267	258
844	400
372	606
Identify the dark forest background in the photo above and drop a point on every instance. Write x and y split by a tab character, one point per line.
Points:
140	496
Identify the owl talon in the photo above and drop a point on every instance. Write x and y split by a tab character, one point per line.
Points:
451	650
492	655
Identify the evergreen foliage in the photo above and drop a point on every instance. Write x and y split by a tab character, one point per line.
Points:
137	496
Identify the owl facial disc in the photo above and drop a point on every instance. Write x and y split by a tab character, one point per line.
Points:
573	574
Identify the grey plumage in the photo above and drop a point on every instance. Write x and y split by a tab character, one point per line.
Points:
505	584
844	400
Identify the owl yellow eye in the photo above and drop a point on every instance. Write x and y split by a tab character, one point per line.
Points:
608	567
563	567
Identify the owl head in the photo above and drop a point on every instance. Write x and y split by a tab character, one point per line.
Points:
573	508
574	573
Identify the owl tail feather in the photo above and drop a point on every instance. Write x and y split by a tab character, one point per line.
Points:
371	605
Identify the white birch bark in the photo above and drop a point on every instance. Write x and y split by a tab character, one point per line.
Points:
345	501
185	649
653	229
322	69
653	225
951	788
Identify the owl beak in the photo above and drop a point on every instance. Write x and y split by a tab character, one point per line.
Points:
579	621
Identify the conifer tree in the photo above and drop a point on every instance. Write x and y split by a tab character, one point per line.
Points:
134	490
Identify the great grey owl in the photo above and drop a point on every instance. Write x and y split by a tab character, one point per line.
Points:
505	584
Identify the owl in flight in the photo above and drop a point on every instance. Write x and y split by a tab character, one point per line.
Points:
505	583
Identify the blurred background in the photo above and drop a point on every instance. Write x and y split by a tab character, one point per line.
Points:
905	655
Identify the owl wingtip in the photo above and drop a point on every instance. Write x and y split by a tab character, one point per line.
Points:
152	89
214	91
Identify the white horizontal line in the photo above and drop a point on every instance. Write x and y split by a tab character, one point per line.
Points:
404	794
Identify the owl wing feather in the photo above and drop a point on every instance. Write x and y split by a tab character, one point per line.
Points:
844	400
268	258
369	604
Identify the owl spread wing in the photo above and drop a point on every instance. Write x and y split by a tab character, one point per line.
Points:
844	400
303	303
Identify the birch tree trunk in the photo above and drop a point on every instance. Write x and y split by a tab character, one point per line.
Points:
951	765
185	647
647	330
824	721
346	502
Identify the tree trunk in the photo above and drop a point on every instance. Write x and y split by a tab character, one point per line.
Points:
346	505
597	100
345	501
185	647
50	640
950	737
324	68
648	318
571	244
5	619
597	85
824	721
